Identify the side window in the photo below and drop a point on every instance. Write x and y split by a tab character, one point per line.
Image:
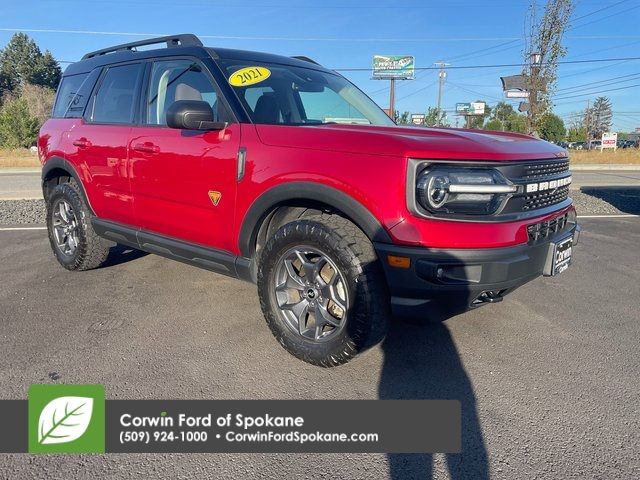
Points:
67	93
174	80
115	100
71	102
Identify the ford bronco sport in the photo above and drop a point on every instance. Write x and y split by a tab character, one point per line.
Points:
281	172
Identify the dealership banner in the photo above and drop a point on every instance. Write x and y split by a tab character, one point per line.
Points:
77	419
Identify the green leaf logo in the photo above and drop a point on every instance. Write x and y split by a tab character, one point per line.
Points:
64	419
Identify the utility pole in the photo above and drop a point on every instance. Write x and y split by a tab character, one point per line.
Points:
392	99
442	74
588	124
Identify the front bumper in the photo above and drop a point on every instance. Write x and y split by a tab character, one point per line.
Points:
440	283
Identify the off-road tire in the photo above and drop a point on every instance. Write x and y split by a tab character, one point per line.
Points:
353	253
92	250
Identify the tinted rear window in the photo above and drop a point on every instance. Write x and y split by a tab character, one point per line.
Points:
67	92
116	97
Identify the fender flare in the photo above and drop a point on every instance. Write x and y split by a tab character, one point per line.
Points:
317	192
60	163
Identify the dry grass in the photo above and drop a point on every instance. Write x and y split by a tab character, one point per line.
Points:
625	156
18	158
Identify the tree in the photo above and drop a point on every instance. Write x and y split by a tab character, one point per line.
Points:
551	127
402	119
18	128
542	54
493	124
39	101
435	117
600	117
577	134
22	62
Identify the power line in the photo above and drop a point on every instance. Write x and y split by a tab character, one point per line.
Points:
604	82
600	91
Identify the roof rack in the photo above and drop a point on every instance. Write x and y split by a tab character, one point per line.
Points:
171	41
305	59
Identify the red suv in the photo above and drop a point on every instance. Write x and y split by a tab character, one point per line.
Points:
281	172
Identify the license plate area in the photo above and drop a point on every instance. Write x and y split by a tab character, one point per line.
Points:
559	256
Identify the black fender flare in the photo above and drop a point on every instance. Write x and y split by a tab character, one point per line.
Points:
59	163
297	191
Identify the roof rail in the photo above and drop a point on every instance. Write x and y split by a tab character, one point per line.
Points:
305	59
172	41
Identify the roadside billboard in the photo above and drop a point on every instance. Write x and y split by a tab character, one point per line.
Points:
609	140
394	66
470	108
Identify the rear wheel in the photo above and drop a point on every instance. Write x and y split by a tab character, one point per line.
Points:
75	244
322	290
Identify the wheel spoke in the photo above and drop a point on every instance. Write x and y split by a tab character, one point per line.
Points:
323	317
306	266
293	279
63	213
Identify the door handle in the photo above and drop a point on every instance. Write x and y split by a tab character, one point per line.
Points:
82	143
146	147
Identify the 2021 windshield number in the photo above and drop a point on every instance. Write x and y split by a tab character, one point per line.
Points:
249	75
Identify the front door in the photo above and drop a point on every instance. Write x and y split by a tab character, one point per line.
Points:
184	181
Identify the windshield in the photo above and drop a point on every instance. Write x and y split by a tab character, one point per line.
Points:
284	95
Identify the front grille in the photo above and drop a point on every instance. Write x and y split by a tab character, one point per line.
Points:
541	231
544	199
547	181
541	170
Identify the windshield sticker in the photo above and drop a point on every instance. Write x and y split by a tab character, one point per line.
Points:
249	76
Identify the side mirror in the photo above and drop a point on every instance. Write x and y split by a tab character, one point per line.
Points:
192	115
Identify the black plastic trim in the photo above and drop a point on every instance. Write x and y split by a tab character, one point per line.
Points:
60	163
296	191
201	256
449	280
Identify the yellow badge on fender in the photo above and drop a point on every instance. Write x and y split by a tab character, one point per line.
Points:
215	197
249	76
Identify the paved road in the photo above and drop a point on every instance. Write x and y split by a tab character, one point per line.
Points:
18	184
549	379
25	184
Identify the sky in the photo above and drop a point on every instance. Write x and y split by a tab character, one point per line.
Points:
345	34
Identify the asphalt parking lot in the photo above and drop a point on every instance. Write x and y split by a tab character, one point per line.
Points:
549	379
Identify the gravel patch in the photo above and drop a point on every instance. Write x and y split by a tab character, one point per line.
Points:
21	212
588	201
606	201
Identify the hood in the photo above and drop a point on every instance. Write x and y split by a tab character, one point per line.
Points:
414	142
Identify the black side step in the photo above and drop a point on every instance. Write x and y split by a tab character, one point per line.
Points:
197	255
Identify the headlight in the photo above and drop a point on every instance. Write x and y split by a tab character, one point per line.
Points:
464	191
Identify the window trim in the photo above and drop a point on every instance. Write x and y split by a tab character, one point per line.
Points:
147	85
90	108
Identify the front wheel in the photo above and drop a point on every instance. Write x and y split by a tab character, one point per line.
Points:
322	290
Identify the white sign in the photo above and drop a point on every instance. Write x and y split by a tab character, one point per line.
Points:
609	140
418	118
517	94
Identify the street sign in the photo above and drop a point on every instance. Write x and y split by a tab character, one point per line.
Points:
523	107
514	82
609	140
516	94
418	118
401	67
470	108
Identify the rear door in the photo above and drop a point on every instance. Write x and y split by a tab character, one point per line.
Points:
102	138
184	181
